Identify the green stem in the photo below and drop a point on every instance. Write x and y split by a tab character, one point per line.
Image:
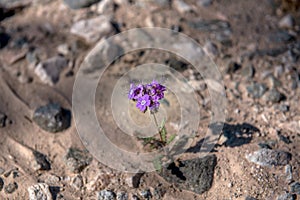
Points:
159	129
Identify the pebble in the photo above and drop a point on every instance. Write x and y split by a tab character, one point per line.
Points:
286	196
278	71
146	194
281	37
63	49
91	30
134	180
77	4
285	139
3	118
104	6
195	175
211	49
11	187
122	196
52	118
256	90
267	157
295	188
135	197
204	3
1	184
76	160
224	39
49	71
106	195
39	191
176	64
40	161
77	182
287	22
248	71
273	96
232	67
181	6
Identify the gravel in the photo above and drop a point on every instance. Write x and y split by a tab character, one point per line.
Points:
39	191
267	157
106	195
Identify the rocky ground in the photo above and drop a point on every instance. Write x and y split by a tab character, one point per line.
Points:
255	44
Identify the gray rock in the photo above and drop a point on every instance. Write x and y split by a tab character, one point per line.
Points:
210	25
122	196
267	157
195	175
91	30
3	118
204	3
76	4
256	90
286	196
273	82
49	70
39	191
52	118
76	160
295	188
281	37
273	96
40	161
106	195
248	71
146	194
181	6
11	187
1	184
287	22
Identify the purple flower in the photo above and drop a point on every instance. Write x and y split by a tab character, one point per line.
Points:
131	93
147	96
154	105
143	102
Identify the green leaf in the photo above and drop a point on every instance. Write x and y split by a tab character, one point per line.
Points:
171	139
157	164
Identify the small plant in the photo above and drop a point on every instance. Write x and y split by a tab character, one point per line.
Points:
147	97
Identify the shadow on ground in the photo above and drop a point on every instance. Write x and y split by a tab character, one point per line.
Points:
232	135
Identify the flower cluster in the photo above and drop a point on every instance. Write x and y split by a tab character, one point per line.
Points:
147	95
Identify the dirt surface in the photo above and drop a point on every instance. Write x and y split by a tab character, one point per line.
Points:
252	48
